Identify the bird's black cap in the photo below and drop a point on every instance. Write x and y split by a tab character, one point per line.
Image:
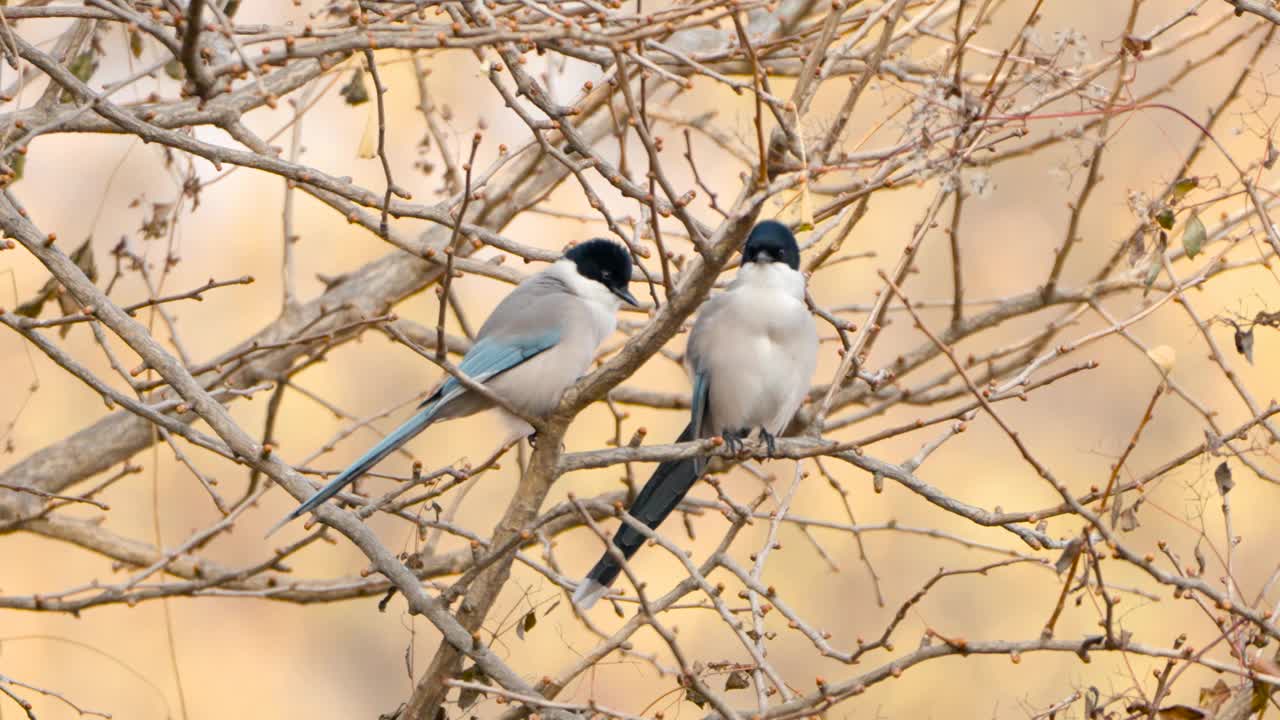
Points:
771	241
606	262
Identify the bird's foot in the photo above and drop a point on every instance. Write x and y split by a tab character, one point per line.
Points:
733	440
770	442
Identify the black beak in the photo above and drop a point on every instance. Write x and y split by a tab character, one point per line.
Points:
626	295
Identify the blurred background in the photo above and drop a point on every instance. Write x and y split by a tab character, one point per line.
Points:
249	657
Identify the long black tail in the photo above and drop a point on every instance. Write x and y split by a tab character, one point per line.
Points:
659	497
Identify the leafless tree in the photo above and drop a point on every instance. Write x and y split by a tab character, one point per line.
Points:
626	120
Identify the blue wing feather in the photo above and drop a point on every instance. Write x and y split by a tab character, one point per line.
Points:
490	357
487	358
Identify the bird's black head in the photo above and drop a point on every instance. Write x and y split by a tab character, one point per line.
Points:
606	262
771	241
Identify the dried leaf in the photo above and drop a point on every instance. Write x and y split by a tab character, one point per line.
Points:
1135	45
1137	249
1180	712
692	695
1244	343
354	92
83	67
1212	698
1223	477
1272	154
1193	236
1184	186
135	43
737	680
156	226
1129	519
1153	272
1200	561
174	70
1164	357
83	258
32	307
1091	697
526	624
1068	555
467	697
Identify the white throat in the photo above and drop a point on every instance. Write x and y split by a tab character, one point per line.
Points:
593	292
771	276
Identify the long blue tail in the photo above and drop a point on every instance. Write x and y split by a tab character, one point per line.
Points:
659	497
398	437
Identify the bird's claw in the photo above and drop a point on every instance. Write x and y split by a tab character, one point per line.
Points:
733	441
770	442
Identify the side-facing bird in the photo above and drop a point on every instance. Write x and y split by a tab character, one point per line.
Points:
537	342
751	355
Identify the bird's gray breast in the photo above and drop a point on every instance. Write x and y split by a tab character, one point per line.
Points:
542	304
759	347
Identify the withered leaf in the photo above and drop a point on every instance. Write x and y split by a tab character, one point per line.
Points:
467	697
737	680
1149	279
1184	186
1193	237
692	695
1137	248
1212	698
1068	556
1180	712
1244	343
32	307
155	227
526	624
83	258
1135	45
1129	519
354	92
1223	477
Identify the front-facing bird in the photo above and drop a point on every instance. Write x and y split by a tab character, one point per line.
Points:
751	355
537	342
